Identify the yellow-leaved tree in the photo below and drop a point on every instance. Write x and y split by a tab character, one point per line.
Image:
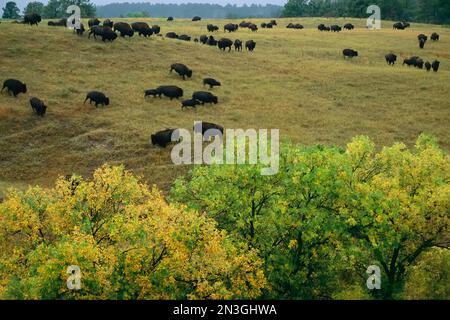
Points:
128	242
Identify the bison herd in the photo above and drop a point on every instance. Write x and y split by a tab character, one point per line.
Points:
107	31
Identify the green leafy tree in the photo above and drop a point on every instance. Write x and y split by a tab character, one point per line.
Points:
11	11
57	8
34	7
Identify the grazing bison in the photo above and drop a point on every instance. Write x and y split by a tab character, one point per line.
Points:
294	26
172	92
156	29
250	45
192	103
211	82
422	43
322	27
225	43
244	24
38	106
273	22
204	39
163	138
196	18
171	35
98	97
108	23
350	53
253	27
435	65
184	37
93	22
32	18
230	27
263	25
349	26
142	28
108	34
411	61
96	31
14	87
398	26
237	45
335	28
391	59
428	66
169	18
205	97
182	70
124	29
209	129
211	41
420	63
212	28
151	92
435	37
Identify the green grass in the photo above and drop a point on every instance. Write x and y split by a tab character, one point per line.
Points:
295	80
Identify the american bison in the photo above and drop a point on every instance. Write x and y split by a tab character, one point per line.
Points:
428	66
205	97
237	45
212	28
250	45
124	29
98	97
80	30
349	26
163	138
151	92
184	37
196	18
225	43
142	28
434	37
435	65
32	18
182	70
156	29
14	87
335	28
211	82
253	27
171	35
191	103
211	41
230	27
391	59
204	39
172	92
38	106
169	18
350	53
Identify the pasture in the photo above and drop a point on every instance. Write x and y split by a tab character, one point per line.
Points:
295	80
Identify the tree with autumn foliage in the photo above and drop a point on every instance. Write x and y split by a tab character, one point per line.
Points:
330	213
127	240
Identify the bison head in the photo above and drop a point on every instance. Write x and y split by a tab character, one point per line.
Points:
107	101
24	88
189	73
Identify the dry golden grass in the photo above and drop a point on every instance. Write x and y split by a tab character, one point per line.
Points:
295	80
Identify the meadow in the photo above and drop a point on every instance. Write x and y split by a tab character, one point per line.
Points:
295	80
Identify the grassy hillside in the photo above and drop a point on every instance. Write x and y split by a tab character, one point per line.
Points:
296	80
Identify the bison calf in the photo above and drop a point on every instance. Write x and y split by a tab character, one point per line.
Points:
38	106
211	82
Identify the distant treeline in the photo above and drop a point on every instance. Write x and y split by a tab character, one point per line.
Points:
429	11
188	10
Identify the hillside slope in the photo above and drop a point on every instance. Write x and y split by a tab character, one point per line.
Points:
295	80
